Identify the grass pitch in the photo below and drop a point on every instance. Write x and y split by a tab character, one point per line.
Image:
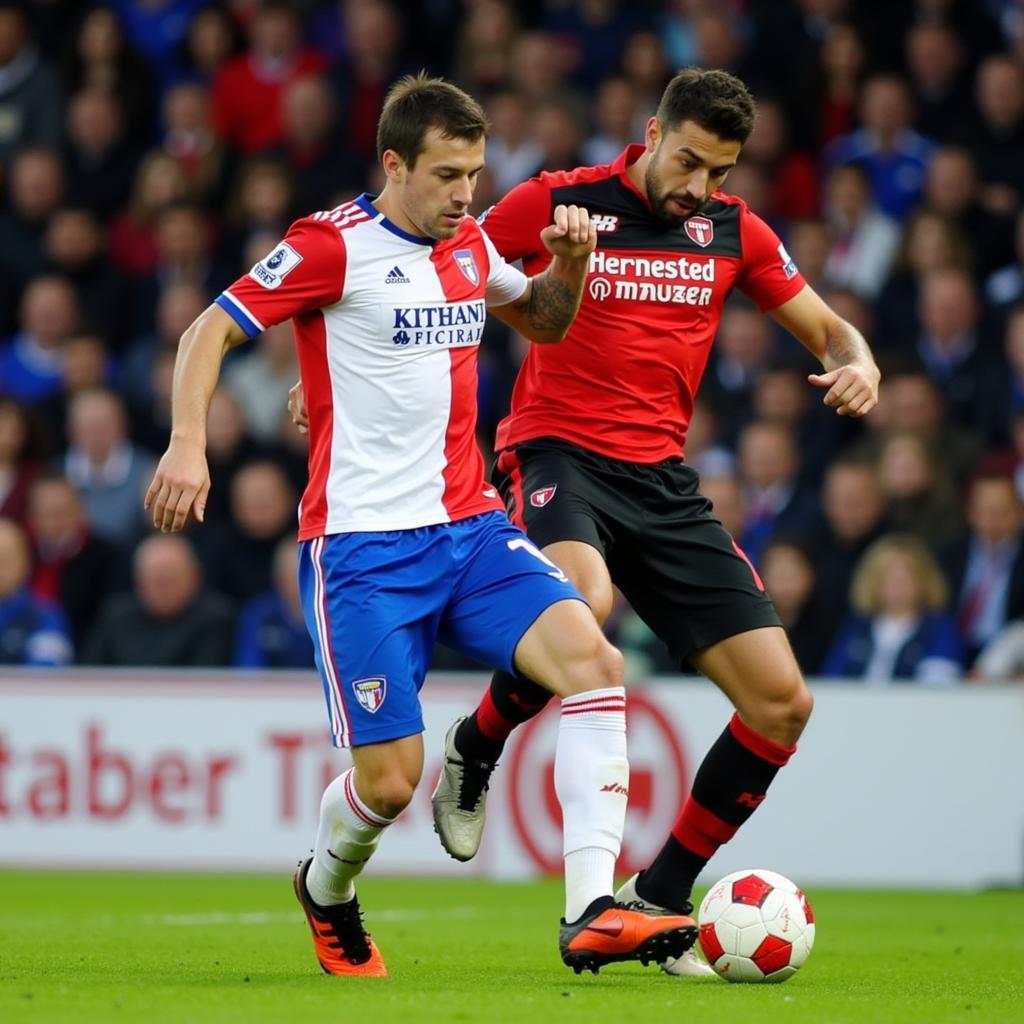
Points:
87	947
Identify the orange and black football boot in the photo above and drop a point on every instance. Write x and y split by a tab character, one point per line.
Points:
610	932
341	943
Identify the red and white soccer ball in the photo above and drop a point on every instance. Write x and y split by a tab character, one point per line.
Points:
755	925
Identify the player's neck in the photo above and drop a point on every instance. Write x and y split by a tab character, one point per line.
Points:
637	172
388	204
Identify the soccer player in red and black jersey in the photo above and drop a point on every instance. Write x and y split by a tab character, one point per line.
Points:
590	458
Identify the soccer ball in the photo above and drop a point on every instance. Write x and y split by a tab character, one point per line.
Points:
756	926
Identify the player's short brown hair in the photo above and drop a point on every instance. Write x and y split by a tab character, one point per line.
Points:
715	100
417	103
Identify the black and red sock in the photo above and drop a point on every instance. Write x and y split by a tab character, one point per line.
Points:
730	785
508	702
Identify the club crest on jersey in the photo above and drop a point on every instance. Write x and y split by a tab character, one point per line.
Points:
370	692
699	230
466	263
543	495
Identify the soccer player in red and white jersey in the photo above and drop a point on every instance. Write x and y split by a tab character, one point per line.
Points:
402	540
591	457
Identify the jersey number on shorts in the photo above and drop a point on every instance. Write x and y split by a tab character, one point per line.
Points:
521	543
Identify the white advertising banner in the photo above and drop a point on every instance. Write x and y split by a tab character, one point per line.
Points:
898	786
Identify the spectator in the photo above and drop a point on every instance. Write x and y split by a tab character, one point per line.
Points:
1002	658
101	59
742	351
615	114
212	38
900	631
950	342
1003	390
996	137
238	556
188	137
952	189
261	202
160	181
484	48
319	164
829	97
985	565
166	620
33	631
790	577
271	630
646	67
31	363
99	158
918	489
774	501
260	380
555	127
725	492
512	153
853	509
22	450
864	239
809	242
790	173
893	155
75	250
157	31
373	35
72	567
935	60
29	95
1006	285
34	190
929	242
85	365
109	472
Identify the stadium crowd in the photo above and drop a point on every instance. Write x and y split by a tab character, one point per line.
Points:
152	150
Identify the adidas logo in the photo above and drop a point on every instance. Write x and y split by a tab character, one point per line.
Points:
395	276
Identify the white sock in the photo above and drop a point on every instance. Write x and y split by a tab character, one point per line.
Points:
346	838
592	784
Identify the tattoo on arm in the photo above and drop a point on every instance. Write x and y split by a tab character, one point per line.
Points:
551	304
844	344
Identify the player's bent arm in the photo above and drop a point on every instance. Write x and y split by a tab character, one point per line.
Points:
549	305
182	479
851	376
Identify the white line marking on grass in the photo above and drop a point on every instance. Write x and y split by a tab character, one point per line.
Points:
262	917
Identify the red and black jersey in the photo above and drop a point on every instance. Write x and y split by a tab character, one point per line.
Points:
622	383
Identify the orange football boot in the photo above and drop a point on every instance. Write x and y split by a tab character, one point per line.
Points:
340	942
617	931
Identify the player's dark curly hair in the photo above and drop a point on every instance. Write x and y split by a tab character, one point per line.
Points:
717	101
417	103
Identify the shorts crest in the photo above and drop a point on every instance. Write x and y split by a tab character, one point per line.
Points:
543	495
370	692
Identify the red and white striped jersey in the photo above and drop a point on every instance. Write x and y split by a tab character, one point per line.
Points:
387	326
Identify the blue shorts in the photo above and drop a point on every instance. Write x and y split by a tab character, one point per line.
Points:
376	603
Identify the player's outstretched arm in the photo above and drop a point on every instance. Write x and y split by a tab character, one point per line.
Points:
182	479
551	300
851	376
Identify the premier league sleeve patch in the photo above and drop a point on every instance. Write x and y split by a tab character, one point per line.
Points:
466	263
273	269
788	266
370	692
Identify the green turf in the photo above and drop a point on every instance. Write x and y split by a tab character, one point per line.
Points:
100	947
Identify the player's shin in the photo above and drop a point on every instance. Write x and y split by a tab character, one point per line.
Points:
730	785
592	785
509	701
346	838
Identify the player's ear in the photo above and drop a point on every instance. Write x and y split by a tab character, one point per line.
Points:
393	165
652	136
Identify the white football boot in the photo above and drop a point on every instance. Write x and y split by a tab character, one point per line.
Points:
689	965
459	799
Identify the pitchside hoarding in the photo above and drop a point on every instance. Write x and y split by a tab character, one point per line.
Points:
891	786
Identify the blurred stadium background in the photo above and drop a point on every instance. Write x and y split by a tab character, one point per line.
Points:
157	706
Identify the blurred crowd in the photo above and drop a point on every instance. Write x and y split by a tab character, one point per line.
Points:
152	150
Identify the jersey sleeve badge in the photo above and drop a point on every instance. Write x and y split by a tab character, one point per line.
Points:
274	268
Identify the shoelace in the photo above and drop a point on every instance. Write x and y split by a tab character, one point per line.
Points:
346	921
476	777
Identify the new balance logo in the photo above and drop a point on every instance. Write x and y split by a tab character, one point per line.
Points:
751	801
605	222
395	276
615	787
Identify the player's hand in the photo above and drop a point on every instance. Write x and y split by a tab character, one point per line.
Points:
573	235
852	389
297	407
180	486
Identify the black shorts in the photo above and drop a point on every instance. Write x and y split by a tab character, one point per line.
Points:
673	560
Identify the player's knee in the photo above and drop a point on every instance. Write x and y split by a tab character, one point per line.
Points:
596	667
788	714
390	794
